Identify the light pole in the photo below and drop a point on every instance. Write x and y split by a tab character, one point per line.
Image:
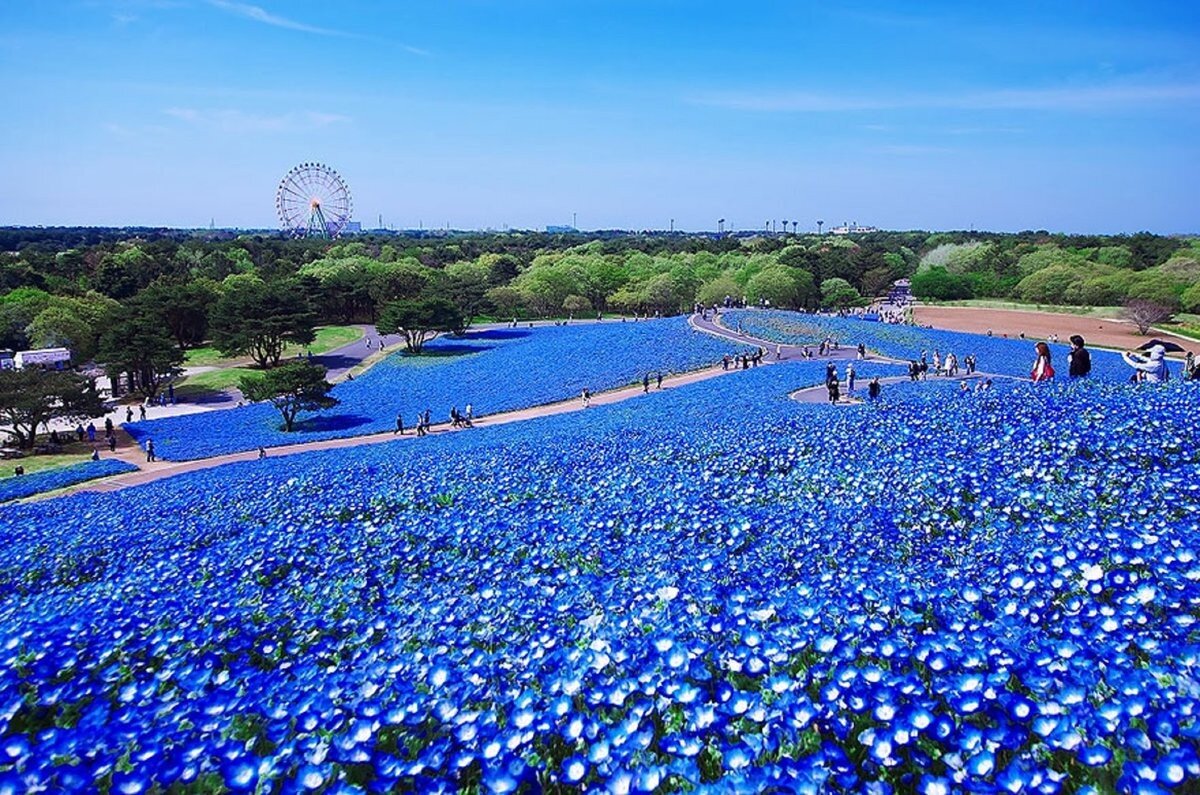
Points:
672	226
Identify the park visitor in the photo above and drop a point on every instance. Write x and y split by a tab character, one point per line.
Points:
873	388
1079	361
1042	370
1152	367
150	451
399	425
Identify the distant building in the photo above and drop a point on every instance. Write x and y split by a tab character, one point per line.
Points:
352	228
561	230
853	229
46	358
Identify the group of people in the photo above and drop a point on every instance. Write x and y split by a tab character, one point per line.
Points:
834	386
918	370
1149	366
458	419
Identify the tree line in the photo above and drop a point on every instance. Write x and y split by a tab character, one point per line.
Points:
136	304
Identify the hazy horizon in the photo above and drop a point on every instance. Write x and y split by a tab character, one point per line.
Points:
1073	118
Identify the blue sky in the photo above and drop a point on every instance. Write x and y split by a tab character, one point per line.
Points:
1067	116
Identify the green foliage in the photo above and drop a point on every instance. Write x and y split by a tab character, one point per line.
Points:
783	286
939	284
71	322
839	294
1114	256
714	292
32	397
1157	287
259	318
182	307
1191	299
419	321
291	388
137	344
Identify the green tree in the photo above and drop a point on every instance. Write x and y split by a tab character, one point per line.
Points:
135	342
1191	299
465	284
291	388
260	318
182	306
18	308
839	294
419	321
939	284
576	304
1156	287
777	284
714	292
32	397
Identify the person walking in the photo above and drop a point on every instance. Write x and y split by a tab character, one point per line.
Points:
399	425
658	379
91	432
586	396
112	443
873	388
469	415
141	411
1079	360
1042	370
262	452
128	414
834	390
150	451
850	375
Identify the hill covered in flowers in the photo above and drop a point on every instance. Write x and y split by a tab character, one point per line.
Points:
709	589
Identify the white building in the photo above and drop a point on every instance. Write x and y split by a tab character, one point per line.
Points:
48	358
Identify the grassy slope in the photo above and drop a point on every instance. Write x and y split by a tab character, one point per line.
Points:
231	370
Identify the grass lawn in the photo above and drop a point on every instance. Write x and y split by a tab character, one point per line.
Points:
328	338
41	463
213	381
231	370
205	357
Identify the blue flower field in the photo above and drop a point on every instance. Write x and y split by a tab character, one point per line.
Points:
14	488
1012	357
495	371
708	589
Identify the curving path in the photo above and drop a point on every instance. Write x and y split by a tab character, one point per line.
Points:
148	472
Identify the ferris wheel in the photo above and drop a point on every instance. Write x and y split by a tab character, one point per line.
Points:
313	201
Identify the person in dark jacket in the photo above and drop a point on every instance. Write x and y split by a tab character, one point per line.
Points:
1079	361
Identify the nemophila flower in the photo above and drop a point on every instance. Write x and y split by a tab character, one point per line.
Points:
334	612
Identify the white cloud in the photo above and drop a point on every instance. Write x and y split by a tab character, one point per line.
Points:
260	14
236	121
1073	98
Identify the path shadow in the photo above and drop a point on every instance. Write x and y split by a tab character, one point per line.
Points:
497	334
335	361
436	351
334	422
